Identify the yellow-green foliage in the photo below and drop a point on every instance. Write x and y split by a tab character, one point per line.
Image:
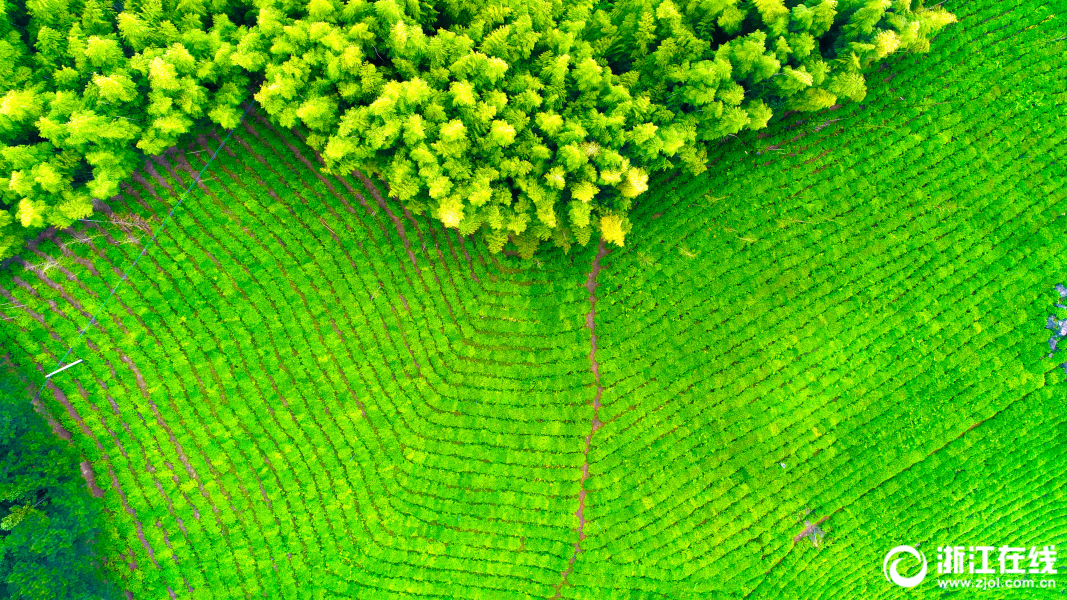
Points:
481	114
860	297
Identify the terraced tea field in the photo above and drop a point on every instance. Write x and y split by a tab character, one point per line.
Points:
301	391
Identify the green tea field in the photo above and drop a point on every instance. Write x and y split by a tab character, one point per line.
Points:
832	343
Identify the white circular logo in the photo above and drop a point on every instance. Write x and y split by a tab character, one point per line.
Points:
891	573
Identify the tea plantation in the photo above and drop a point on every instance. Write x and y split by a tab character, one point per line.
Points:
302	391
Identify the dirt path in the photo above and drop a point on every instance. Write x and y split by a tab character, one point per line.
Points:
90	479
594	423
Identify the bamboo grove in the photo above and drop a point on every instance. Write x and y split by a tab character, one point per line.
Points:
523	121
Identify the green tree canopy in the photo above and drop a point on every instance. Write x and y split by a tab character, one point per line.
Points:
49	523
526	121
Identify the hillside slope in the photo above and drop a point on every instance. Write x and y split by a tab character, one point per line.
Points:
299	388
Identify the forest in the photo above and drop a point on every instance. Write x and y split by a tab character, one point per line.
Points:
521	122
